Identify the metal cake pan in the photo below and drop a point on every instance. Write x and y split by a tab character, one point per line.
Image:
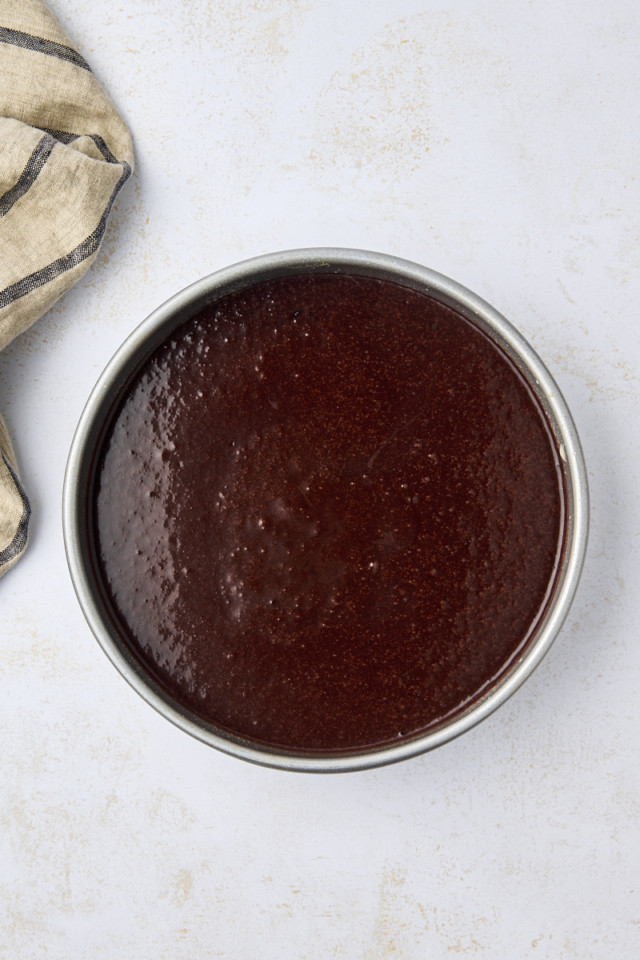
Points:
152	331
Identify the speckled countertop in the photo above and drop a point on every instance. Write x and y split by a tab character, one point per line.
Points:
498	143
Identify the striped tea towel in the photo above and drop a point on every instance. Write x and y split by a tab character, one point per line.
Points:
65	153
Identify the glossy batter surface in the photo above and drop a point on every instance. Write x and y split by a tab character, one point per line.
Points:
328	513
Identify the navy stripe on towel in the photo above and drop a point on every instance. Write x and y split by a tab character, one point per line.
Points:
19	39
70	260
64	137
19	542
34	165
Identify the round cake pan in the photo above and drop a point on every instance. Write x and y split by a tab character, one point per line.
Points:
154	330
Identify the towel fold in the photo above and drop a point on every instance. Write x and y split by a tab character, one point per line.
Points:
65	154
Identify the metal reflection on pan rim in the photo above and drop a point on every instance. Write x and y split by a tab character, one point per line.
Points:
152	331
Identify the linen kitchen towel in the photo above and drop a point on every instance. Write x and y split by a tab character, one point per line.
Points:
65	153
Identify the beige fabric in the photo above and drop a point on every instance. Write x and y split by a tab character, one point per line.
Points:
14	507
65	153
33	18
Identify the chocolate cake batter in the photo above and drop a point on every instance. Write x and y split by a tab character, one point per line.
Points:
328	513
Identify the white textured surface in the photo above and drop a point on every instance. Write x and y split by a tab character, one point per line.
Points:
497	142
